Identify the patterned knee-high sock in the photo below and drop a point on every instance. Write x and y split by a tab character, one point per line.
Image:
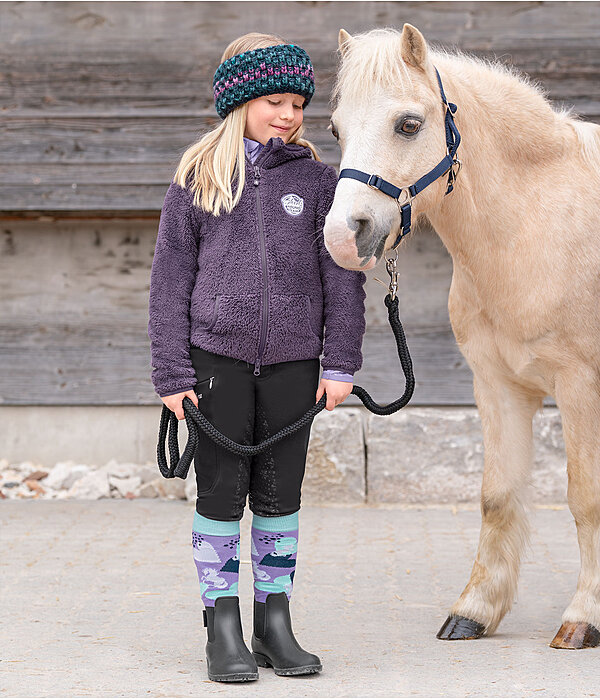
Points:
216	546
274	547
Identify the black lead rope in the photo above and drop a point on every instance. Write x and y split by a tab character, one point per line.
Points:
194	418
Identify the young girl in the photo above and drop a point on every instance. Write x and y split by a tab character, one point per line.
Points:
241	287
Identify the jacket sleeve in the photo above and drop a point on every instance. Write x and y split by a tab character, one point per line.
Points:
343	295
172	280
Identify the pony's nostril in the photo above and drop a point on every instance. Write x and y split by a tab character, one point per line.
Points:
364	235
363	228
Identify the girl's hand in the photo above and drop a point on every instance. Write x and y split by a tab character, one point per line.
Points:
175	402
336	392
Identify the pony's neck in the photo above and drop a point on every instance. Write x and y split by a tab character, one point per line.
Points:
509	136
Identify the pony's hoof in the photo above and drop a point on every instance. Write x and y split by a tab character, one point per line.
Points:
576	635
458	627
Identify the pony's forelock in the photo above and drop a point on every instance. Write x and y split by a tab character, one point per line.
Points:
374	56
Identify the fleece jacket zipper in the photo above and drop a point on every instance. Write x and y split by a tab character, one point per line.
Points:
265	295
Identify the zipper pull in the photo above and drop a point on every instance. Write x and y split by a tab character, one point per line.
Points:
210	383
257	368
256	174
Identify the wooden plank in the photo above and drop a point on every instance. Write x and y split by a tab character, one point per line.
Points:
72	184
174	92
95	367
74	313
112	184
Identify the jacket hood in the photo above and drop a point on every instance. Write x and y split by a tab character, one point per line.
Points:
277	151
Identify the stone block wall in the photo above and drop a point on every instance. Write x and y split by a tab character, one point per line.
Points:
415	456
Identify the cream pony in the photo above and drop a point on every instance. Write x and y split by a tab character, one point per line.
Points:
523	228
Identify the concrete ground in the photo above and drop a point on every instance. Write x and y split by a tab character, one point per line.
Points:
101	598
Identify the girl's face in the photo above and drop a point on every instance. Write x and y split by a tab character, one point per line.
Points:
267	113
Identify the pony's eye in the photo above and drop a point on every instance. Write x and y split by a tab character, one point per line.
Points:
410	126
333	130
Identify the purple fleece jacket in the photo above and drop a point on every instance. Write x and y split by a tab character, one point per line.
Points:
253	148
256	284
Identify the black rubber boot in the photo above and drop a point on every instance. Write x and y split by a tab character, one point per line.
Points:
227	656
273	641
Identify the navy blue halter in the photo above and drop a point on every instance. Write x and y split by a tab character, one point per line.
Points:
444	166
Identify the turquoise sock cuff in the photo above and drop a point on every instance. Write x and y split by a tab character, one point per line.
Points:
206	526
279	523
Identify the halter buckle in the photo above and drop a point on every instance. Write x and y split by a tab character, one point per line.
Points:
377	177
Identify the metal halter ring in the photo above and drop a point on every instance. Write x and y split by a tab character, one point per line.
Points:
409	197
453	170
457	162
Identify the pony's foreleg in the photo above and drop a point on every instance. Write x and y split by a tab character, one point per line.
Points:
578	399
506	412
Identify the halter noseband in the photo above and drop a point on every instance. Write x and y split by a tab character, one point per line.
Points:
447	165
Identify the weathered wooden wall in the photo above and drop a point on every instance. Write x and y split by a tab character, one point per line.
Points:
99	100
74	297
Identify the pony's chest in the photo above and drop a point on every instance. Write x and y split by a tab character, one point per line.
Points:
496	343
497	347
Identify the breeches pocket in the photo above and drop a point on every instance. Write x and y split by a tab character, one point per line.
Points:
206	462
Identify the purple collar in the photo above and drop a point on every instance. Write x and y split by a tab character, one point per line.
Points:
253	148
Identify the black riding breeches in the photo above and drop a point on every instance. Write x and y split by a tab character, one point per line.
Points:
248	409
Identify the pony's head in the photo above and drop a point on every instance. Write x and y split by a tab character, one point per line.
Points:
388	118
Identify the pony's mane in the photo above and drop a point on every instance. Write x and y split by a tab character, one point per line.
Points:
375	56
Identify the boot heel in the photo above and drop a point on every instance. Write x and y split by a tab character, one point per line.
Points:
261	660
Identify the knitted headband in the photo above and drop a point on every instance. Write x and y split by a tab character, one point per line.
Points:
268	71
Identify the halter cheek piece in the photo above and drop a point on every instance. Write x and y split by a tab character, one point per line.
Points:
450	164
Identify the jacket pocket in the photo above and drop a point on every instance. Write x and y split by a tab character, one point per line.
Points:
215	313
291	320
235	315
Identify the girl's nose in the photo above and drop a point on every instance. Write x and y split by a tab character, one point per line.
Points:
288	113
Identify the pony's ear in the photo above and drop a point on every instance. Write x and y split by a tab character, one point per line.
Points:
344	41
413	47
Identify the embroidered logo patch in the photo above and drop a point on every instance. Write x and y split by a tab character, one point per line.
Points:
293	204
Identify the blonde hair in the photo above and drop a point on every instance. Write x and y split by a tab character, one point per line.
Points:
210	165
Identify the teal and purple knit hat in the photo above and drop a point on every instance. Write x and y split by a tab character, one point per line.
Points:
268	71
